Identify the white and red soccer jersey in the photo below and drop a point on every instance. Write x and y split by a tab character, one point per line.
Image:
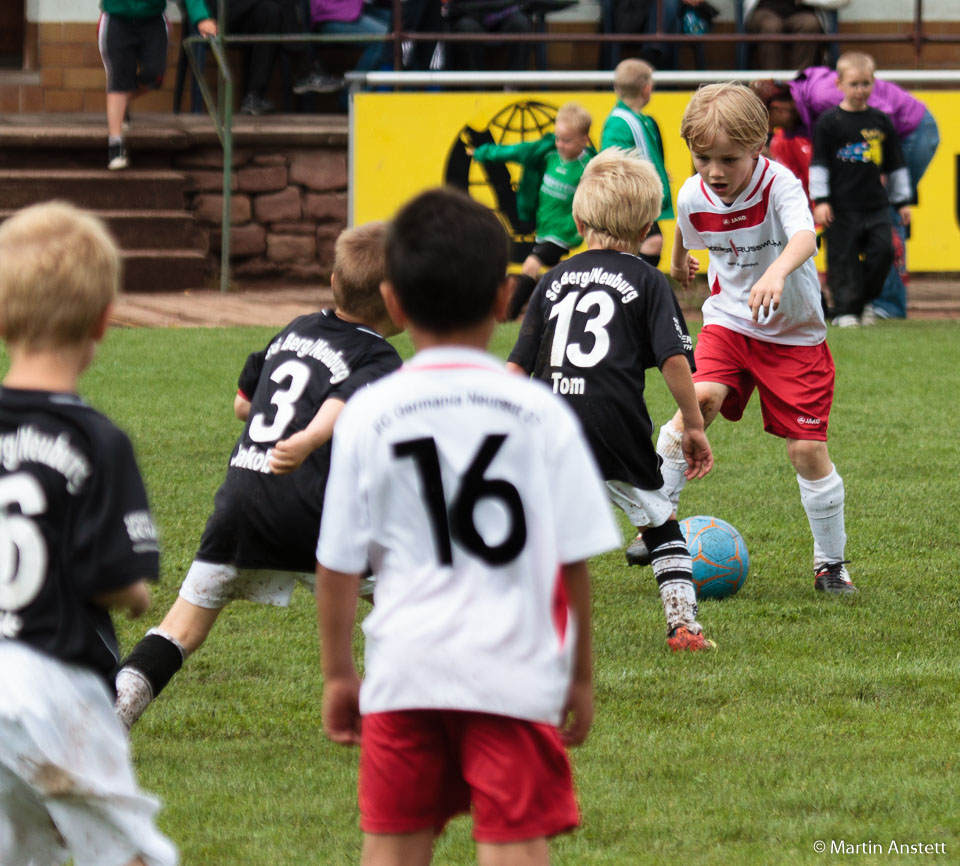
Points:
744	238
466	488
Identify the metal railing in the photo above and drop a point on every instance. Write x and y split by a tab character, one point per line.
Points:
220	105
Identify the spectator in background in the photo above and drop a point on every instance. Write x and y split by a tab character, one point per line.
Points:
348	18
422	16
640	16
795	106
132	35
778	17
473	19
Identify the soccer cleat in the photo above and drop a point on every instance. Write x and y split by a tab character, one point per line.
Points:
833	578
682	639
869	316
637	553
118	157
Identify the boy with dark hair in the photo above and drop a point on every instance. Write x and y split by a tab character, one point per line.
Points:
594	327
628	128
857	174
78	540
259	541
552	167
132	35
763	325
473	496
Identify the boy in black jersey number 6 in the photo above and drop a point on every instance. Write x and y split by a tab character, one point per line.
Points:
76	539
259	541
593	327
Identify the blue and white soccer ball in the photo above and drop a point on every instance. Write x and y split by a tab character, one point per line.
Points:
719	553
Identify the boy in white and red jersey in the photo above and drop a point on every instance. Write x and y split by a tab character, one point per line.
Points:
473	496
763	325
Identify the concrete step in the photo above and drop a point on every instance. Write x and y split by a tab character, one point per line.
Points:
94	189
151	229
146	270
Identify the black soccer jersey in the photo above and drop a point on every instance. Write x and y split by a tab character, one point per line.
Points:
74	525
261	520
594	325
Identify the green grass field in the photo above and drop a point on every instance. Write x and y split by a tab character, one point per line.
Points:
818	720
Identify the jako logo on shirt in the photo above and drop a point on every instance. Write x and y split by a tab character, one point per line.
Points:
809	422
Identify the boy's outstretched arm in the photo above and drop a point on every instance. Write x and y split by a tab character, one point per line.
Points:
289	453
766	292
578	711
696	448
683	266
336	613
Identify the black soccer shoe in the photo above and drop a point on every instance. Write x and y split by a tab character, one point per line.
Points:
637	553
833	579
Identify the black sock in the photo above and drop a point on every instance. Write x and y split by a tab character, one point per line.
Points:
157	658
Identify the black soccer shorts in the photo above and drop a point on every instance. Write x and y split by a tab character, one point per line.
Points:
134	51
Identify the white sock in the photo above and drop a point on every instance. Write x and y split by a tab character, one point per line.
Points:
823	502
674	464
133	696
679	599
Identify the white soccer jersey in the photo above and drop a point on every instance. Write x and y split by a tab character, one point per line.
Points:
744	238
466	488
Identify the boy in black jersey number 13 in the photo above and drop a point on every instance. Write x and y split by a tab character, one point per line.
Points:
76	539
473	496
594	326
260	540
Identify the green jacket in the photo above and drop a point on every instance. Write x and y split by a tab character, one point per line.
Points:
196	9
531	155
629	129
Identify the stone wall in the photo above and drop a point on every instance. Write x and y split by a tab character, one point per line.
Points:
287	208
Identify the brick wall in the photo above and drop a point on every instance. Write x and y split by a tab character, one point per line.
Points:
287	207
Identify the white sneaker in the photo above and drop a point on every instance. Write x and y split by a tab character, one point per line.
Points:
869	316
846	321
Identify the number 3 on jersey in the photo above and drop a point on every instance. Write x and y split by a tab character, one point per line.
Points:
457	523
284	399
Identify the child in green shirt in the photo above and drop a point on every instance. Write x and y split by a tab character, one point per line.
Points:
552	167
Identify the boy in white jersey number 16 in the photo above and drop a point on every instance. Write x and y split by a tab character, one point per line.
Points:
763	325
473	497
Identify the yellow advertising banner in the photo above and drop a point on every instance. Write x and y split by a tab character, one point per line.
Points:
402	143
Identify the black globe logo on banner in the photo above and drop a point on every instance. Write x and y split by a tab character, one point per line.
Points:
515	124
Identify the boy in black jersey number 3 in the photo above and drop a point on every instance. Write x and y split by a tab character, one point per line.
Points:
593	327
76	539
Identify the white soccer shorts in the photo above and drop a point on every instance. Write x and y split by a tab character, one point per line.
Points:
214	585
66	781
644	508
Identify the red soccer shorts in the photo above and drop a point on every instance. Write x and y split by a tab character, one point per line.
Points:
795	383
419	768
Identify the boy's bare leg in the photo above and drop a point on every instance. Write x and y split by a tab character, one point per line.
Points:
523	285
406	849
116	108
189	624
532	852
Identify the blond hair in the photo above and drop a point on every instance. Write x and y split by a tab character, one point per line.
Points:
59	271
730	108
855	61
630	77
618	196
576	116
359	266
